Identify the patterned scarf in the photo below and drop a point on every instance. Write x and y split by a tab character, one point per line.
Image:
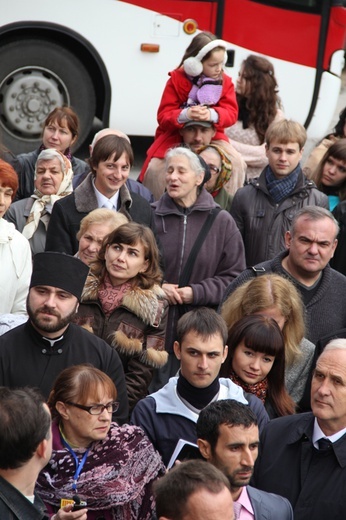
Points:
259	389
115	480
111	296
44	202
280	189
226	168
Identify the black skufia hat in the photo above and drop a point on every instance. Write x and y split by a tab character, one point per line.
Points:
59	270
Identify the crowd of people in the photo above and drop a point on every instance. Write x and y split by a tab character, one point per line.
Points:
197	313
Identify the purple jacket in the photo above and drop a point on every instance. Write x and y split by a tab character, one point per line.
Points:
220	259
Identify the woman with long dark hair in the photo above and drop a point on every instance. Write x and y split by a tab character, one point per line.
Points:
256	362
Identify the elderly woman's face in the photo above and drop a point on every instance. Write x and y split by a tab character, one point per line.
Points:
49	176
80	427
91	241
182	181
213	160
5	199
58	136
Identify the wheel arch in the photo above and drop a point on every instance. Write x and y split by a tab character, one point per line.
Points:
76	44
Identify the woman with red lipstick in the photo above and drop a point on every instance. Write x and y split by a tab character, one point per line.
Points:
124	304
256	362
330	175
96	463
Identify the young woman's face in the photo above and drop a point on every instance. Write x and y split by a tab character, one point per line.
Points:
124	262
212	67
242	85
334	172
58	136
252	367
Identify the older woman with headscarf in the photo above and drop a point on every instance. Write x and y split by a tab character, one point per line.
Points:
53	180
220	167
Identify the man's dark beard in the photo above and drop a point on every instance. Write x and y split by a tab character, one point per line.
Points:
43	326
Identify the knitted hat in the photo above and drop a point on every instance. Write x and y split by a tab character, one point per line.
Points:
193	66
59	270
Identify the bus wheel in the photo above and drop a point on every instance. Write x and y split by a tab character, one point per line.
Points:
35	77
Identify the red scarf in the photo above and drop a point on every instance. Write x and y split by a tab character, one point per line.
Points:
259	389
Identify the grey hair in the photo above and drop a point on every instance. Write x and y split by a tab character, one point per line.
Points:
193	159
314	213
337	343
48	155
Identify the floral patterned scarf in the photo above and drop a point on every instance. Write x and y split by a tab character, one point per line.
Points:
111	296
259	389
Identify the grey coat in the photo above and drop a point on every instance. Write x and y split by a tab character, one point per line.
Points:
18	212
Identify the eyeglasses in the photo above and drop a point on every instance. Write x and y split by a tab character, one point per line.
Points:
97	409
214	169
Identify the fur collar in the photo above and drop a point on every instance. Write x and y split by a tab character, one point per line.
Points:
144	303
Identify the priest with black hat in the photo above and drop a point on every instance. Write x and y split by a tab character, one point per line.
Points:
35	353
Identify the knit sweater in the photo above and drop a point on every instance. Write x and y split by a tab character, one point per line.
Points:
325	312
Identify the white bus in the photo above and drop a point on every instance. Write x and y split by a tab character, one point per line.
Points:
109	59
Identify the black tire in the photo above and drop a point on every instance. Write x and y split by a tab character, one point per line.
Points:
35	77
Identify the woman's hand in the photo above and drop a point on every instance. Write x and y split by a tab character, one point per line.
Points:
67	513
199	113
172	294
186	294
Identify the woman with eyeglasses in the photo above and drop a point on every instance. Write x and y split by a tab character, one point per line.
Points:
220	167
96	464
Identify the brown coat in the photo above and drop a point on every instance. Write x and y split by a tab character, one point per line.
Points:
136	329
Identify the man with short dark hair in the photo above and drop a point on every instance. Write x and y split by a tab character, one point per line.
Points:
310	244
264	207
35	353
228	438
303	456
171	413
25	448
192	491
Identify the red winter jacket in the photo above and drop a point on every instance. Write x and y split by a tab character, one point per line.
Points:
174	96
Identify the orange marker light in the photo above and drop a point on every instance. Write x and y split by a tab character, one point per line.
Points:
150	47
190	26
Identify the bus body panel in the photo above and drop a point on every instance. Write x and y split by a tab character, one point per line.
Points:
116	30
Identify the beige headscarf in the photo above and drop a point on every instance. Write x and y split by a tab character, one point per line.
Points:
38	209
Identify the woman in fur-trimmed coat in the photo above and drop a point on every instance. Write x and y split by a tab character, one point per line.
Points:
123	303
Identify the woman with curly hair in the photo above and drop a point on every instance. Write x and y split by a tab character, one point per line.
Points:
259	105
276	297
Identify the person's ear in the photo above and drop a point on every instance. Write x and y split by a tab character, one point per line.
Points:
288	239
204	448
177	349
43	449
61	409
225	352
